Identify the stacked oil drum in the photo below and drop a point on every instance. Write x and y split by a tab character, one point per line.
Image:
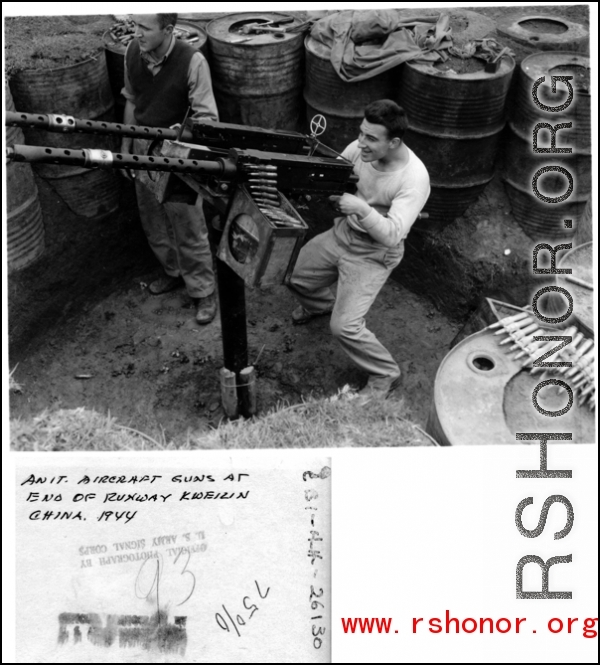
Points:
83	91
257	77
455	121
24	225
540	219
543	32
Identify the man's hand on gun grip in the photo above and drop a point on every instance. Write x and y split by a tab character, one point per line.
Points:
126	148
348	204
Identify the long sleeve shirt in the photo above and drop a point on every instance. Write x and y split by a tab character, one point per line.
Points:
396	197
200	90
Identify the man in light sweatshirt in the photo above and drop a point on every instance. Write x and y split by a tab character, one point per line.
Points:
366	243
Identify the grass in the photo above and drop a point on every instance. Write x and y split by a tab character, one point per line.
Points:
321	423
13	386
311	424
77	429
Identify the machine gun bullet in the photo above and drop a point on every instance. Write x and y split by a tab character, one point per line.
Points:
267	202
586	377
585	346
510	319
260	184
577	339
579	358
579	376
278	216
261	167
527	344
266	195
518	334
263	181
260	192
531	346
264	188
521	343
516	325
571	371
587	360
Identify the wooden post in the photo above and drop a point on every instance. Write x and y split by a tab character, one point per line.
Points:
247	392
229	397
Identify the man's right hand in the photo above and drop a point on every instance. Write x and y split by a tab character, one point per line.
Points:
126	145
126	148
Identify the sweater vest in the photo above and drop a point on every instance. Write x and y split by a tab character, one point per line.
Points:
161	100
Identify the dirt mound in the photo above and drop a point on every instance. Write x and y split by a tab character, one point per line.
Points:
47	42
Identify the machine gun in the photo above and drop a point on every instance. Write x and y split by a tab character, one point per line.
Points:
243	172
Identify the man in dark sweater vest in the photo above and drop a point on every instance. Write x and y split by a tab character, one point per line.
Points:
163	77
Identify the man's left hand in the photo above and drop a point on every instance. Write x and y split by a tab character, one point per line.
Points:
348	204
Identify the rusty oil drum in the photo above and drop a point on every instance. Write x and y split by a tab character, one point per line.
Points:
544	32
482	396
341	103
24	224
541	220
455	121
257	78
83	91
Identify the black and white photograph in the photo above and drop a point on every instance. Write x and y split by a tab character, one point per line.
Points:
239	234
224	240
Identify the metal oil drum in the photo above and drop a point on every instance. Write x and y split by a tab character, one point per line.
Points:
341	103
200	18
24	224
257	78
522	163
83	91
455	120
581	261
544	32
541	220
482	396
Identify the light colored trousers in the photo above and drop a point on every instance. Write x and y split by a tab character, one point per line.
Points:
361	267
178	236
